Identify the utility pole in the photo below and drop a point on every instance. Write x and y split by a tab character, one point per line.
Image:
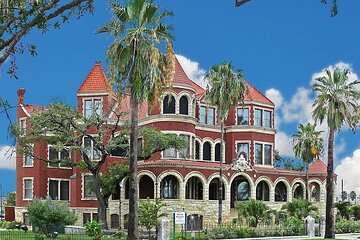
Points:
342	189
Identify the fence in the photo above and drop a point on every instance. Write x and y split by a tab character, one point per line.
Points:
21	235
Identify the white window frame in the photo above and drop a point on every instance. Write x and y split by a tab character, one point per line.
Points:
236	115
263	154
92	149
58	164
92	106
83	197
207	107
32	188
162	103
59	190
24	159
243	141
22	124
263	110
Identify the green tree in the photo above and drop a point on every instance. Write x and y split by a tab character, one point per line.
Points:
356	212
66	129
336	102
344	195
149	213
307	144
18	18
254	211
139	67
11	199
300	208
49	215
227	88
344	209
353	196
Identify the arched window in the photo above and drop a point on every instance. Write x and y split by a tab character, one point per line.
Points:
116	194
207	151
197	150
262	191
127	186
298	191
169	187
184	105
315	192
195	222
214	189
194	189
114	221
280	192
146	187
217	152
169	105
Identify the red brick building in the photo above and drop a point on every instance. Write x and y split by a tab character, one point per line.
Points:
187	179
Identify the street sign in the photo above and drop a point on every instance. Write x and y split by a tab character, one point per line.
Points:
179	217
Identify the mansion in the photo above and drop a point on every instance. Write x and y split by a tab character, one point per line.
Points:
187	180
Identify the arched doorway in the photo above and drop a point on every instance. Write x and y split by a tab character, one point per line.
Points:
214	189
280	192
240	190
262	191
146	187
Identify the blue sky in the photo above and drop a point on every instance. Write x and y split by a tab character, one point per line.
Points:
280	46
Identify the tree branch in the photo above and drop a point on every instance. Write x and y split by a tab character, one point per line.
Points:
238	3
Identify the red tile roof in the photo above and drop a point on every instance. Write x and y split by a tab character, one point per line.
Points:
256	95
318	167
30	109
95	81
181	78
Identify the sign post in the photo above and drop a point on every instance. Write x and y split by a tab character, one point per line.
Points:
179	219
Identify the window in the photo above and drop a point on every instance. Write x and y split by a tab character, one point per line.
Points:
258	117
194	189
197	150
262	191
114	222
169	187
243	148
88	186
267	119
242	116
58	158
280	192
214	189
169	105
90	151
184	152
28	161
217	152
88	217
267	154
59	189
22	124
122	149
92	107
207	115
28	188
207	151
263	153
184	105
258	153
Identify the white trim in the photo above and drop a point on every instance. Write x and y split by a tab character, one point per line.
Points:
58	164
91	94
183	86
92	103
24	110
249	128
243	141
207	106
32	188
168	118
24	159
263	154
208	128
262	117
236	115
83	187
256	103
59	187
25	122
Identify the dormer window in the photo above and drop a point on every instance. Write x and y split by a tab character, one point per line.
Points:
92	107
169	105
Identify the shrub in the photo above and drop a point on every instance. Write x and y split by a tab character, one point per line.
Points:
4	224
13	224
120	234
347	226
93	229
356	212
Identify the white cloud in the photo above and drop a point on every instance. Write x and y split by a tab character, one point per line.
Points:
276	97
348	170
192	70
299	108
341	65
7	159
283	144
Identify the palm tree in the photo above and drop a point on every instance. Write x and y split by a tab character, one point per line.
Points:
353	196
227	88
254	210
300	208
138	67
307	144
336	101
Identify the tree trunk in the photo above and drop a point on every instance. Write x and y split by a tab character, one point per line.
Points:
133	223
102	208
329	225
221	173
307	182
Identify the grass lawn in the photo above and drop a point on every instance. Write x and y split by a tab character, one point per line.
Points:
15	235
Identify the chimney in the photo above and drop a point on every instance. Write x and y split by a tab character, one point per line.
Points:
21	93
